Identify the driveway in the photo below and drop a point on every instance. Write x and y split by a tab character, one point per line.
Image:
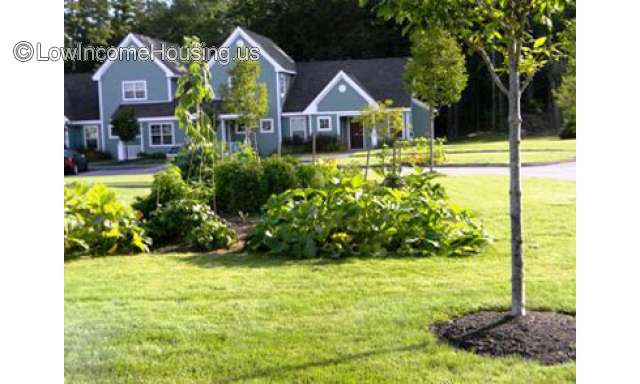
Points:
147	169
561	171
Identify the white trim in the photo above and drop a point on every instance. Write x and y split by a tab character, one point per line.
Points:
236	131
173	134
228	116
169	93
102	134
273	128
279	115
66	120
304	130
340	76
134	83
67	137
420	103
130	38
329	118
84	135
83	122
343	113
263	53
160	118
229	81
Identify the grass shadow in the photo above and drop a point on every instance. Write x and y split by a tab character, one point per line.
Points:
242	259
283	369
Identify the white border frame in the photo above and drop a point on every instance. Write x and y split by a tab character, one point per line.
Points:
127	82
84	135
236	126
161	123
291	130
273	128
324	117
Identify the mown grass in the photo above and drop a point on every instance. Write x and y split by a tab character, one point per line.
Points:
200	318
489	150
127	187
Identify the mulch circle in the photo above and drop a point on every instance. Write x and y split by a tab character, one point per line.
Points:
547	337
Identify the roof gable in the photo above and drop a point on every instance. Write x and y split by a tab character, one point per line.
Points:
268	49
380	78
170	68
339	78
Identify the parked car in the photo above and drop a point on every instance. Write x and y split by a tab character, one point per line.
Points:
173	152
74	162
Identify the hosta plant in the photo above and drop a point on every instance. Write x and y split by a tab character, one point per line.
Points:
96	223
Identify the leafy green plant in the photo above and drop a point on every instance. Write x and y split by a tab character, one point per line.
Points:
190	222
239	186
353	218
167	186
96	223
279	174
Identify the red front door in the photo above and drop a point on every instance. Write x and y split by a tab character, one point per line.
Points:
356	135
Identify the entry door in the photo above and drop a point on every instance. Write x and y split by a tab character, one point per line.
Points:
356	135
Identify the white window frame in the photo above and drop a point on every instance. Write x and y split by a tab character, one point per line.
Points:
238	131
160	124
272	126
84	134
134	82
327	118
303	129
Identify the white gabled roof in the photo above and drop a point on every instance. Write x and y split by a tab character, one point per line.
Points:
313	106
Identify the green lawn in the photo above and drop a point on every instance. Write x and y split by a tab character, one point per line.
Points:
198	318
492	150
127	187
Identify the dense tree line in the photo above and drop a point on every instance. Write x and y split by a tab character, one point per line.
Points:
306	30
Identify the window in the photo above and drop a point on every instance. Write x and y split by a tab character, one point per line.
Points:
266	126
134	90
91	137
161	134
324	123
298	124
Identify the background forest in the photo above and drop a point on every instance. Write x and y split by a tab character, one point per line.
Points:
316	30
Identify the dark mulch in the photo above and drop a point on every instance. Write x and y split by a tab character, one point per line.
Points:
547	337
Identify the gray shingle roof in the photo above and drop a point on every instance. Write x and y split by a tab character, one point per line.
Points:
80	97
163	109
381	78
155	45
273	50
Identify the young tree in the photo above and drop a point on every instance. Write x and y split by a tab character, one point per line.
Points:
246	97
565	95
125	126
435	73
506	26
194	94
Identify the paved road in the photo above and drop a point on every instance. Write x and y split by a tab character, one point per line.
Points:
561	171
126	170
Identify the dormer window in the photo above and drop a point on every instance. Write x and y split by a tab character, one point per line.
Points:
134	90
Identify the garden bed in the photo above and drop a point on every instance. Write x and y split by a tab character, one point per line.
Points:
547	337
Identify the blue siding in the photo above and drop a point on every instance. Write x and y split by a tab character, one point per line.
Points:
349	100
267	142
419	120
111	95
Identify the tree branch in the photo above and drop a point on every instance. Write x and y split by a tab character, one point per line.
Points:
526	83
492	70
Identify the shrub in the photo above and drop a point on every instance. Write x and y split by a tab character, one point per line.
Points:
239	186
167	186
192	222
279	174
195	161
96	223
351	218
152	155
95	155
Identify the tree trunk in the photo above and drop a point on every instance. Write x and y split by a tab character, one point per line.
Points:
395	164
432	132
366	168
515	192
